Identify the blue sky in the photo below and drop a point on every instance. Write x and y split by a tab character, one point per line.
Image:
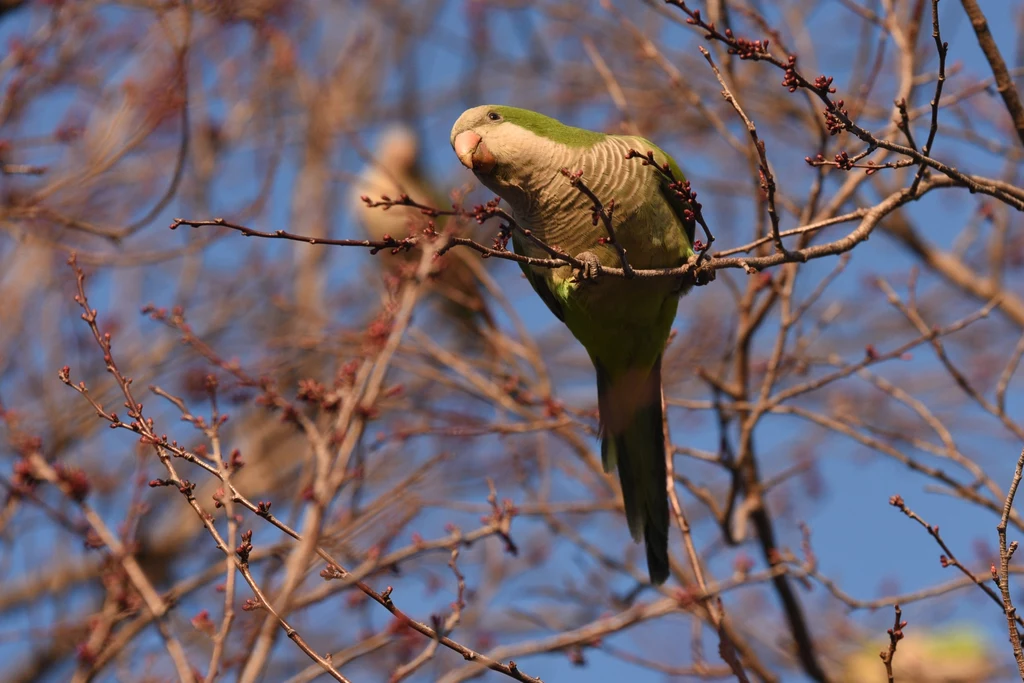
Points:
863	543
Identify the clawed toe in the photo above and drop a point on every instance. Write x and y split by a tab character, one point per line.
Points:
589	269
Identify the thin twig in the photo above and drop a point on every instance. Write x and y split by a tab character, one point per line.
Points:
895	636
948	559
941	48
1004	82
1003	577
715	609
767	180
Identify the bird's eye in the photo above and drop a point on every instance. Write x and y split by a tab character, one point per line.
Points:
494	116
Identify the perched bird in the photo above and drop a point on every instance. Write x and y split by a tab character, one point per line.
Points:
623	323
396	171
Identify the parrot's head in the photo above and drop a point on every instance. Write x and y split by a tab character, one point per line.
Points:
480	138
496	140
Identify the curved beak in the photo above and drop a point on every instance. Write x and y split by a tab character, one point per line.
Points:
473	152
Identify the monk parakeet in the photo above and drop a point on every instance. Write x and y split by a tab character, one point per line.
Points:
396	171
623	323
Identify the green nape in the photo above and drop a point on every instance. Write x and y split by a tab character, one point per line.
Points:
549	128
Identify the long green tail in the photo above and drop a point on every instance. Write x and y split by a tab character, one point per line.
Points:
632	439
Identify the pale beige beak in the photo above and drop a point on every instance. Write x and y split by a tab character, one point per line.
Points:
465	145
473	152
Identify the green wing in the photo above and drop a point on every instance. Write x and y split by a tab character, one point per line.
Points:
679	206
539	284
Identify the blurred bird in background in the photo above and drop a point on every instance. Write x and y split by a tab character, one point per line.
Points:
396	170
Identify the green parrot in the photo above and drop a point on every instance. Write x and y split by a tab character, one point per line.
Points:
623	323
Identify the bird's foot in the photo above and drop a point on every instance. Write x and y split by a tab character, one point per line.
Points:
589	268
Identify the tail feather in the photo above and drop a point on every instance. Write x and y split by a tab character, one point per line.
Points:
632	439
